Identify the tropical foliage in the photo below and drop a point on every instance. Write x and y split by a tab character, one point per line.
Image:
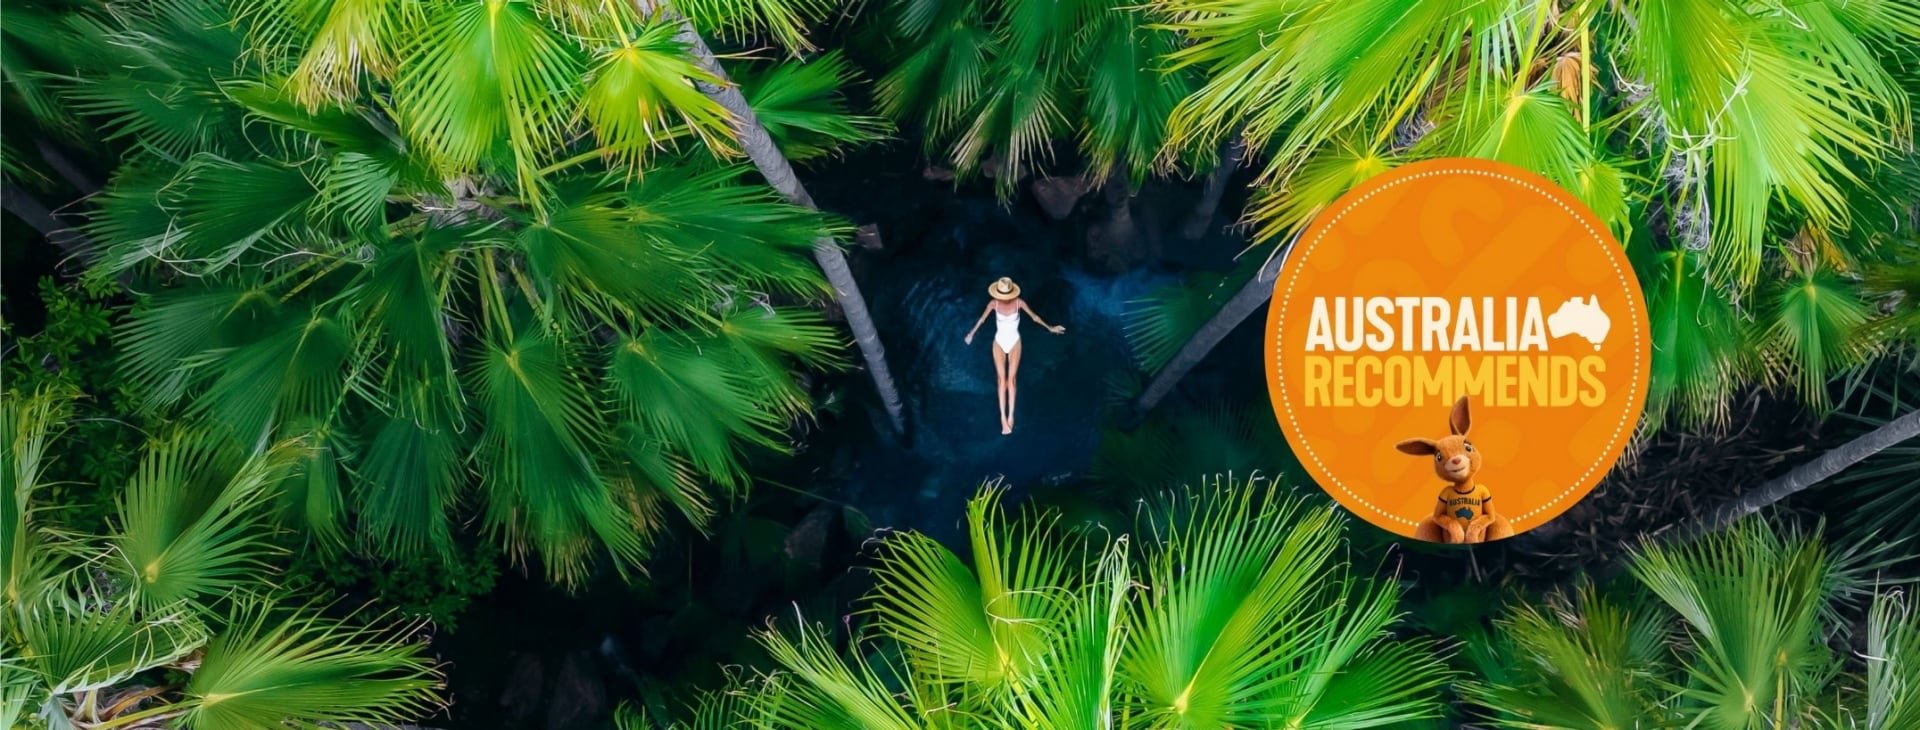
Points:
1728	144
1224	608
513	282
93	622
1739	630
1003	81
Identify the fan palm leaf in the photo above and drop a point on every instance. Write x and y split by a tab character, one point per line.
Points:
1773	125
1701	347
1751	603
151	75
1816	318
1227	622
1893	664
638	97
266	667
484	82
182	538
745	232
338	43
1599	665
78	647
802	106
29	424
786	21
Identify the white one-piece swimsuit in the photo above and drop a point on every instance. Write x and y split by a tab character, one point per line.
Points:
1006	330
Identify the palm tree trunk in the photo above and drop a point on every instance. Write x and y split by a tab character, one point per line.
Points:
35	213
1255	293
1810	473
1801	478
1216	189
774	167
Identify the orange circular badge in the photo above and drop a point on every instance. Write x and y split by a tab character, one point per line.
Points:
1457	350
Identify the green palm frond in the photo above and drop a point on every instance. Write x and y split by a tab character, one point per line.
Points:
824	692
803	108
1816	318
192	520
745	231
1238	614
669	389
1701	345
786	21
334	45
1751	601
152	75
539	456
643	93
20	693
1233	578
298	371
1129	98
37	47
227	208
1775	126
75	646
587	259
947	72
984	631
267	667
1158	324
313	498
1598	665
1893	664
1289	206
485	82
29	424
1305	74
408	483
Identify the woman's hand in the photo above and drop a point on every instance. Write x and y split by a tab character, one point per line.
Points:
1057	329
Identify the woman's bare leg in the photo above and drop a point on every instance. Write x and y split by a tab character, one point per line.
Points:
1013	372
1000	380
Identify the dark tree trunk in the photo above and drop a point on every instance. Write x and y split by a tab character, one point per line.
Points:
1244	302
28	208
1202	216
1808	474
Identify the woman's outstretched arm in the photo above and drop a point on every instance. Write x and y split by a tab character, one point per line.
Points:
976	323
1054	328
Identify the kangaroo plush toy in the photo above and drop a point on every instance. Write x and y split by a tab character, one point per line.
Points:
1464	512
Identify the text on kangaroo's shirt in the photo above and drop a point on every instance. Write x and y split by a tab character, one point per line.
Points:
1466	505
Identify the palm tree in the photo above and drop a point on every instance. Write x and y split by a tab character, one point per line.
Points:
1734	184
92	621
766	155
1226	608
634	94
1737	630
446	285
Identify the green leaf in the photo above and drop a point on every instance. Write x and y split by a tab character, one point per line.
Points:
643	93
803	108
268	668
79	646
193	520
483	76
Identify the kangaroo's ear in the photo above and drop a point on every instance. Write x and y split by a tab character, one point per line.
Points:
1418	447
1459	421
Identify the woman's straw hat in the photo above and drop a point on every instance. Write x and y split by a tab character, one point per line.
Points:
1004	289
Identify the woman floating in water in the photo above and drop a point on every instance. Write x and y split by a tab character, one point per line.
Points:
1006	307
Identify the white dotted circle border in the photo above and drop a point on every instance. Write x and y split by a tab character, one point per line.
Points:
1320	231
